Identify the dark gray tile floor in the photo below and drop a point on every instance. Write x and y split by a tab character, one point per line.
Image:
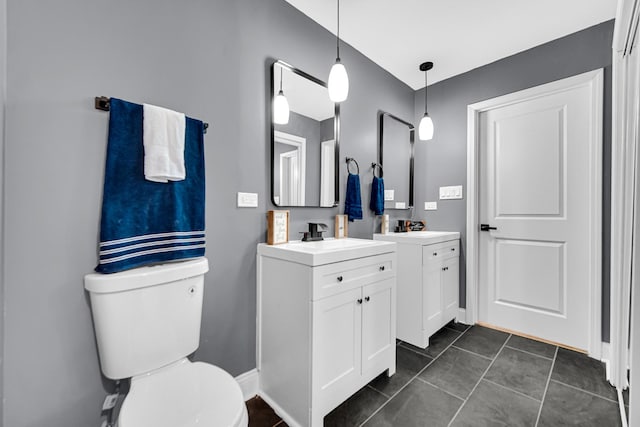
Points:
474	376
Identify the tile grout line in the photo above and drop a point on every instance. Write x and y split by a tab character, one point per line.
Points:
462	332
472	352
479	380
415	376
528	352
544	395
586	391
376	390
440	388
513	391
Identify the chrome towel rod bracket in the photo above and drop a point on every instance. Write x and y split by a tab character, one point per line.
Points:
102	103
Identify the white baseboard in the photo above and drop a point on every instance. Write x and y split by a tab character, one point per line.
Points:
248	383
462	316
605	356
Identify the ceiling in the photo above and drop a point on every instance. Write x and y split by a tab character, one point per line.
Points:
457	35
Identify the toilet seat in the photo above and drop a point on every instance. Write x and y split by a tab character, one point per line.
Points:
184	394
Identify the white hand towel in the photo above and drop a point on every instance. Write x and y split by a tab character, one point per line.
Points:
163	134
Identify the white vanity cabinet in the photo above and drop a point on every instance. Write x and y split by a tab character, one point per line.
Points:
428	282
326	323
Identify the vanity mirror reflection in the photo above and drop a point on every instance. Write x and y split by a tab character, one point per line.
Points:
395	154
304	146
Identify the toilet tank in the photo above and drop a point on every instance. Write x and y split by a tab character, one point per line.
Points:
147	317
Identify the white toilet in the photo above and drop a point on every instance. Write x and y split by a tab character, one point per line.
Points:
147	321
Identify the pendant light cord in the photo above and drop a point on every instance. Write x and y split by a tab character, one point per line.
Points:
425	92
280	79
338	33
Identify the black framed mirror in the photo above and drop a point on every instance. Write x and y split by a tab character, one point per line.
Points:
396	154
305	146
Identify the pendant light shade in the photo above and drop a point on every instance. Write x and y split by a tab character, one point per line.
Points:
338	82
280	109
338	78
425	129
280	106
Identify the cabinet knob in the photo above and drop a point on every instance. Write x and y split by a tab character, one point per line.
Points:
339	278
382	268
435	254
359	300
367	299
453	249
444	268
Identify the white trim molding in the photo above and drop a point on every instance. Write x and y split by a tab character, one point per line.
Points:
249	383
594	79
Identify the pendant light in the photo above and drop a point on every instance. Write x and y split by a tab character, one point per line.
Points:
280	106
338	79
425	129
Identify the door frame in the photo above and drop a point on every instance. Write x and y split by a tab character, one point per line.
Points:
593	79
300	145
325	201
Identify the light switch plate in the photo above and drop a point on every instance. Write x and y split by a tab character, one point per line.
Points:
401	205
247	200
389	194
430	206
451	192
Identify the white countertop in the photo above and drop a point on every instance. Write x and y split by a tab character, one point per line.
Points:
418	237
325	251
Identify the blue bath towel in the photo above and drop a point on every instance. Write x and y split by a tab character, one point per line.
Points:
145	222
377	196
353	200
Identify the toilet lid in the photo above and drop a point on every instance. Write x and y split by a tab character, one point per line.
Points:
183	395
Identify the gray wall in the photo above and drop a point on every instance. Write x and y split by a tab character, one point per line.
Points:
208	58
443	161
3	92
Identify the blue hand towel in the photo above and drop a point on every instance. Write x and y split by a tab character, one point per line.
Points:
145	222
377	196
353	200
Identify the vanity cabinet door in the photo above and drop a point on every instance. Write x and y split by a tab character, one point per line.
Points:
450	284
378	324
337	328
432	296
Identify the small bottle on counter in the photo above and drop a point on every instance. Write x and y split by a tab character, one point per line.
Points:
384	227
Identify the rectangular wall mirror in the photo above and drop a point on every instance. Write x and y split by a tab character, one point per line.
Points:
305	146
395	154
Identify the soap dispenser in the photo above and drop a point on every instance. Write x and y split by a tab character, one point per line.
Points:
315	232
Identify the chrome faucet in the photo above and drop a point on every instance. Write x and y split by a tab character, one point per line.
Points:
315	232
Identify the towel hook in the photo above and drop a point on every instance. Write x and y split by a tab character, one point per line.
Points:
349	160
379	166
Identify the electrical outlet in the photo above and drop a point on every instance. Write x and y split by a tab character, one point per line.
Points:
247	200
110	402
430	206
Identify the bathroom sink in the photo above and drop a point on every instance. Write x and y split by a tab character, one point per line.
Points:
418	237
326	251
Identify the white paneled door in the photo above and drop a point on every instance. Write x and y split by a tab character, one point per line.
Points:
536	197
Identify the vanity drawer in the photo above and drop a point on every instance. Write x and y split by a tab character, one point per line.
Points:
338	277
440	251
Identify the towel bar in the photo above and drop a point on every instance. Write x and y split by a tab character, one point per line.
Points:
349	160
102	103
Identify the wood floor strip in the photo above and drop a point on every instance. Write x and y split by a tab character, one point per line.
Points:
531	337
